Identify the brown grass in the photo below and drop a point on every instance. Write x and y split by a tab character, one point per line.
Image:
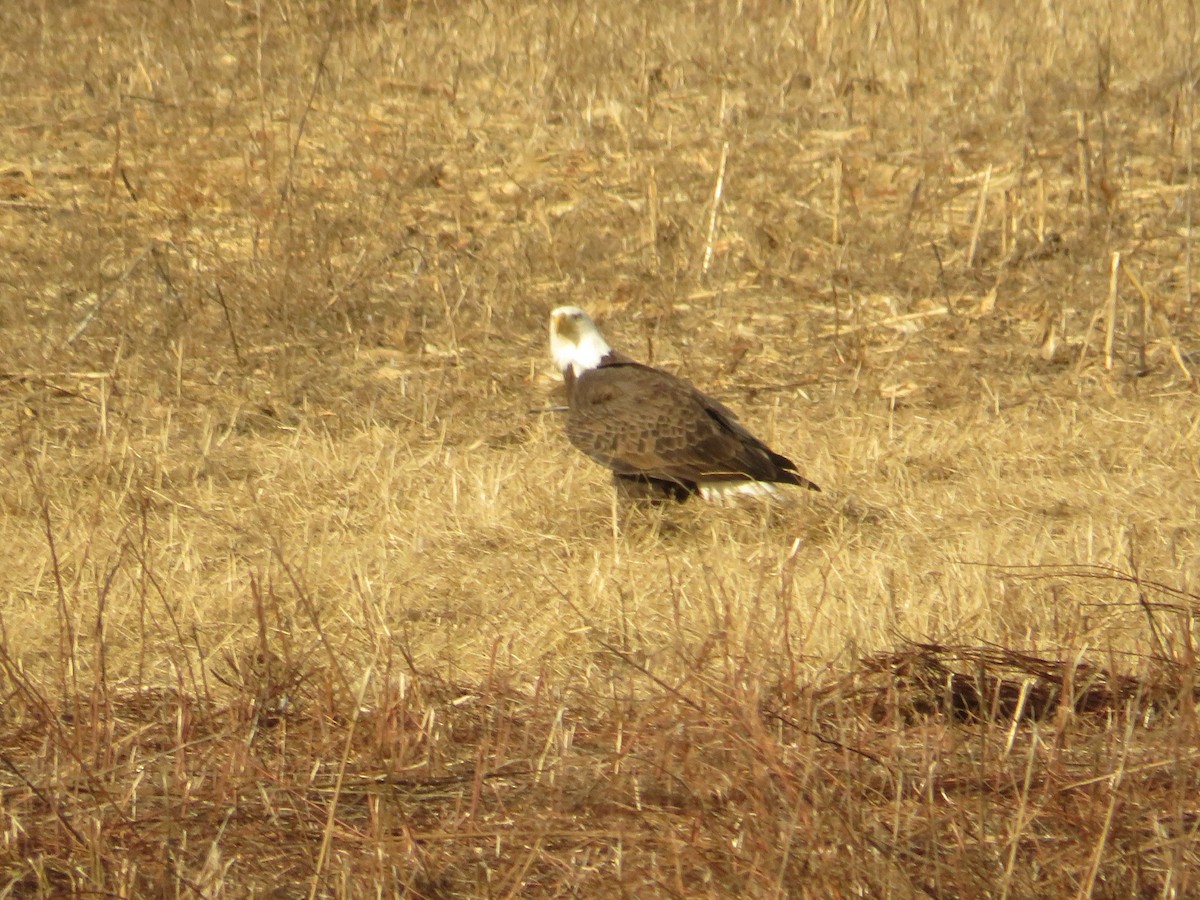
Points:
304	597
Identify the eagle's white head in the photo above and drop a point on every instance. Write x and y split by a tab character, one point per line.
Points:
575	341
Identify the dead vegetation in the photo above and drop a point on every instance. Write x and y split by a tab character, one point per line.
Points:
303	596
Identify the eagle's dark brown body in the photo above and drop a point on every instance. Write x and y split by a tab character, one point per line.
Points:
661	437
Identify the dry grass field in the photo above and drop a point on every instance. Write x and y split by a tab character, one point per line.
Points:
304	592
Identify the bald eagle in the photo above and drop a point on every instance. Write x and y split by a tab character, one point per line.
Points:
660	436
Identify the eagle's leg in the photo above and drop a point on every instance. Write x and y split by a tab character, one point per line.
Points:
644	489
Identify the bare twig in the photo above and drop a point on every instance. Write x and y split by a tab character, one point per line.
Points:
107	295
714	214
229	324
48	802
286	189
1190	92
835	228
1112	309
327	834
980	209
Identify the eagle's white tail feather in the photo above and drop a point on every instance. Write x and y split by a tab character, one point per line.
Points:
721	492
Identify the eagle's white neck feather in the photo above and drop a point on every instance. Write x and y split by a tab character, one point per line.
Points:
575	341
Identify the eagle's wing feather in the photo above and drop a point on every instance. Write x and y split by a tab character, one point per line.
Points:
642	421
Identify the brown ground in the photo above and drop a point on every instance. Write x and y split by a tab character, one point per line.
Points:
303	595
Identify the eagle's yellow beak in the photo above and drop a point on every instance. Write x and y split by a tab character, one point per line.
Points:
564	325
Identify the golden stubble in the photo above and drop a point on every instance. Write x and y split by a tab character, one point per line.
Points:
290	526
